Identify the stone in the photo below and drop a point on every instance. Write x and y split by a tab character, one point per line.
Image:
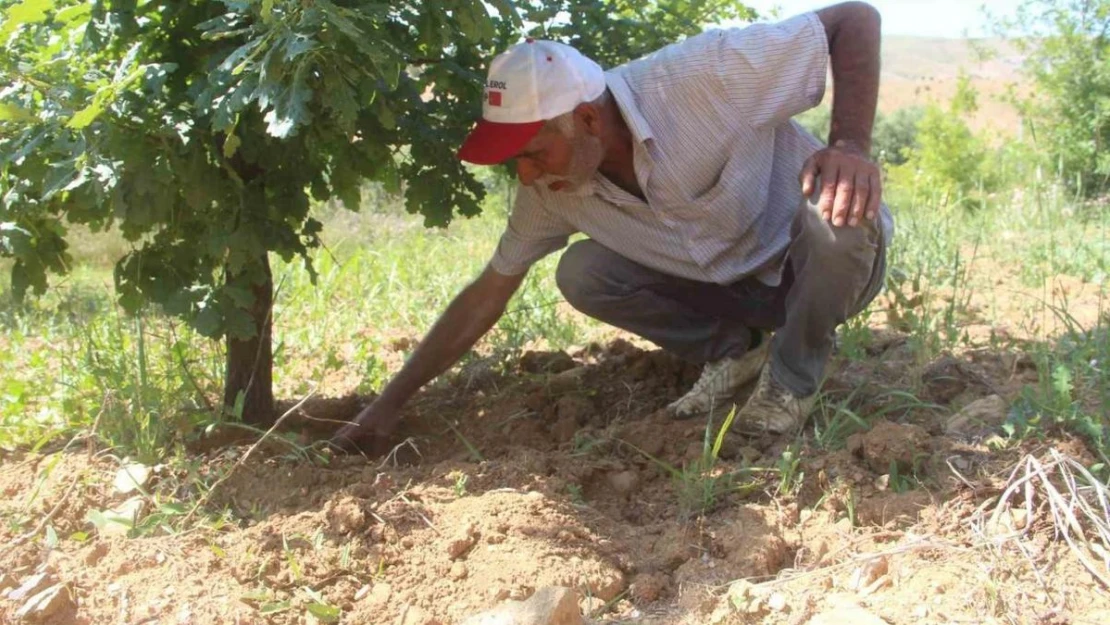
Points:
459	571
989	412
130	478
463	543
547	606
852	615
47	605
777	602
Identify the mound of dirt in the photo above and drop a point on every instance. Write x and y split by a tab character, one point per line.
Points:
566	474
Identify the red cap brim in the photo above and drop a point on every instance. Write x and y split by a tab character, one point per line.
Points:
492	142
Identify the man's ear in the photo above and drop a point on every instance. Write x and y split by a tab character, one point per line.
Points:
589	116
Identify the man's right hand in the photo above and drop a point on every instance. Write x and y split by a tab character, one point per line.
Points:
370	432
471	314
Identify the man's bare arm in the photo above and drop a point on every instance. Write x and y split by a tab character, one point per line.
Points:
851	185
854	31
469	316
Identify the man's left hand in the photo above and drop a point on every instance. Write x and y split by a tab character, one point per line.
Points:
851	185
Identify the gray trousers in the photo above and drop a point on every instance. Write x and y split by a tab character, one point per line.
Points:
831	274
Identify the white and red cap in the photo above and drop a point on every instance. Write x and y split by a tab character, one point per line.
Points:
528	84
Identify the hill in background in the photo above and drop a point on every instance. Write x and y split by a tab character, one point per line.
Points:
920	70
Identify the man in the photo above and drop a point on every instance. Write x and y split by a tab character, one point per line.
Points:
713	218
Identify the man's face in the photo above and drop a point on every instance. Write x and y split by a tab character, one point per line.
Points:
558	161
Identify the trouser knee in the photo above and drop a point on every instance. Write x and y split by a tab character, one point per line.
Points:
579	276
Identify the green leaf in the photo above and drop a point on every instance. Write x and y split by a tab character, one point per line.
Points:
13	113
325	612
26	12
274	607
267	11
231	144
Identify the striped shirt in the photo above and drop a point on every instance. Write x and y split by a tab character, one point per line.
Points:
716	153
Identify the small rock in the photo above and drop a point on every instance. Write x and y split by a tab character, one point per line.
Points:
989	411
131	477
625	482
777	602
362	592
548	606
462	544
846	615
458	571
47	604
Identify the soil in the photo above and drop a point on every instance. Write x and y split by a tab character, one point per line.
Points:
565	471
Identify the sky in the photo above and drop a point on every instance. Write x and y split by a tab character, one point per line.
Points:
922	18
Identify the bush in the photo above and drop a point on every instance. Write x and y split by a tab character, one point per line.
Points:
948	162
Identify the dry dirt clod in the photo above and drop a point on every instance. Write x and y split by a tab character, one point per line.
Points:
547	606
345	516
574	407
564	429
889	444
462	544
990	412
624	483
647	587
868	573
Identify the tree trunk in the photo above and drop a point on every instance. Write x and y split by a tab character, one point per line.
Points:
250	362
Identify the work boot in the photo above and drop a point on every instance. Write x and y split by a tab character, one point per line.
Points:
773	408
719	381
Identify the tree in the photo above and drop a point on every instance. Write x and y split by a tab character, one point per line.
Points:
205	130
1067	43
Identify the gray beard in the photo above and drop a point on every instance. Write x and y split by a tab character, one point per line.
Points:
586	156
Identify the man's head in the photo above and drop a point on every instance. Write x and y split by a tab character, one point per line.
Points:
543	104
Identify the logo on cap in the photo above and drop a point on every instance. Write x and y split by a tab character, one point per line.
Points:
494	98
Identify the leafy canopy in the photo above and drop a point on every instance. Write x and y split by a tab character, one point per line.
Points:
204	130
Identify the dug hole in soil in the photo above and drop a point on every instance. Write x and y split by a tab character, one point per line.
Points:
565	472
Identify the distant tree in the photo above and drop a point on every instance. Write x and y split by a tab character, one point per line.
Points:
895	135
1067	43
203	131
947	159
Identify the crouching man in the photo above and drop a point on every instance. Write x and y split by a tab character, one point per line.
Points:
719	229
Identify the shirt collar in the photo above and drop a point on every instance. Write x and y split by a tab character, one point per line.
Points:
618	86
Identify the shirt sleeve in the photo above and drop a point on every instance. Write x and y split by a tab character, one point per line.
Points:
532	233
772	72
